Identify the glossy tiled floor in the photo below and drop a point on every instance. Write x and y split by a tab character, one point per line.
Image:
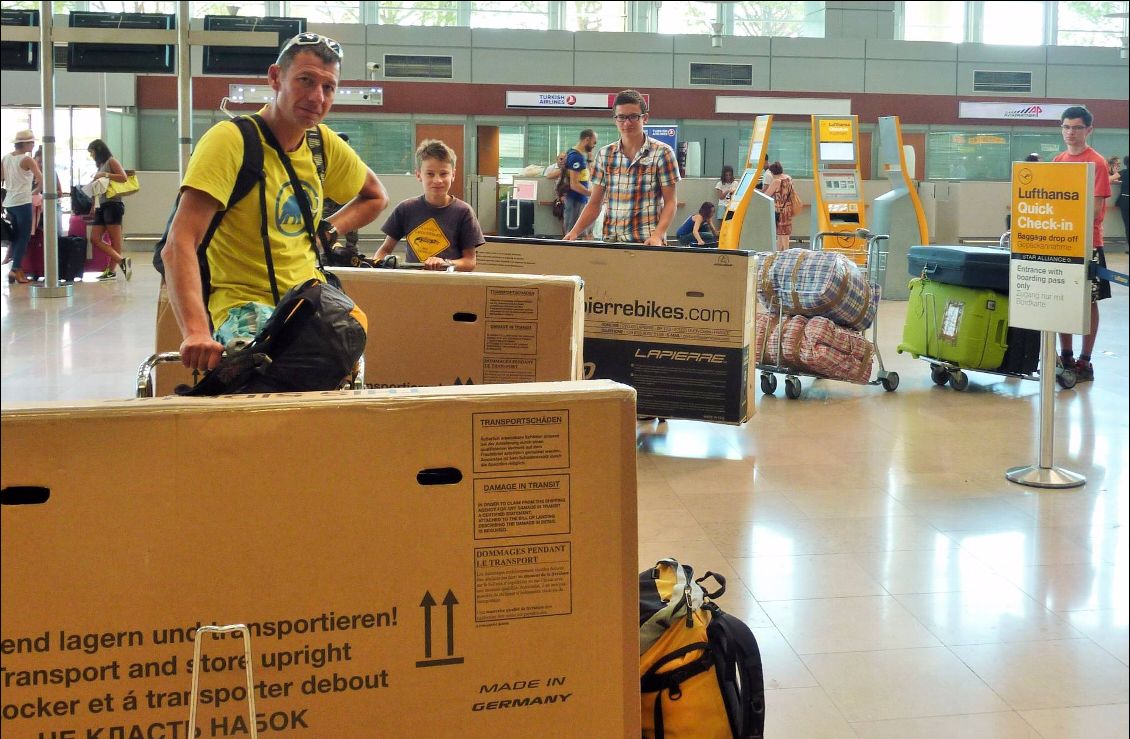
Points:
899	586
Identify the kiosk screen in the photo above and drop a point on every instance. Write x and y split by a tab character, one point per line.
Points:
841	152
743	186
839	185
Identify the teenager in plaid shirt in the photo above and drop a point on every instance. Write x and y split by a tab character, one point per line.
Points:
639	175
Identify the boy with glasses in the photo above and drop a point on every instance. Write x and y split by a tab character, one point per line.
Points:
639	175
240	298
1076	125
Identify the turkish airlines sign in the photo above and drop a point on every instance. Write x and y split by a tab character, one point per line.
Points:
559	100
1012	111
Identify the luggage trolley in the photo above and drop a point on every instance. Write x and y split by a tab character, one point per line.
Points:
793	387
147	389
943	371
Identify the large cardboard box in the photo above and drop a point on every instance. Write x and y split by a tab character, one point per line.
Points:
437	328
674	323
428	562
434	328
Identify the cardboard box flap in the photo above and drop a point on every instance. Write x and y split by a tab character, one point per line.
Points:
399	398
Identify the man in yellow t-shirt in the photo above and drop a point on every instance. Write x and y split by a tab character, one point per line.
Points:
304	79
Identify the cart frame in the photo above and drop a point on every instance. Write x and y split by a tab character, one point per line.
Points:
943	371
876	262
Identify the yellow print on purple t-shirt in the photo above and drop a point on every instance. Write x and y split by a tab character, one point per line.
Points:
427	240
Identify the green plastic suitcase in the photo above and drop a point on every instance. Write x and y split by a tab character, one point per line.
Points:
964	325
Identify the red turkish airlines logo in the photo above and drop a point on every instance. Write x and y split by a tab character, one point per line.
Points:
570	99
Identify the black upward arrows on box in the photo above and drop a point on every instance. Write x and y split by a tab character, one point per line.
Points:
428	602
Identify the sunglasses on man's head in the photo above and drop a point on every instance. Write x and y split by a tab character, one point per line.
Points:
313	39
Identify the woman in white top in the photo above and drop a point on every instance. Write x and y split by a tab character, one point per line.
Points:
21	178
724	187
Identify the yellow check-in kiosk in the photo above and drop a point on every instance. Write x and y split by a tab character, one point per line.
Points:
839	205
748	223
898	212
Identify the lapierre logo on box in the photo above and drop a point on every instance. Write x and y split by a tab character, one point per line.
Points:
681	356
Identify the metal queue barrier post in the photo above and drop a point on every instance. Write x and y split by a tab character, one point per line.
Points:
1045	474
1049	283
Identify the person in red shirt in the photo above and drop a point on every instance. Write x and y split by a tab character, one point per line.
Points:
1076	125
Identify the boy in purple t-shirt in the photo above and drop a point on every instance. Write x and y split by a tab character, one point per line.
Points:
440	230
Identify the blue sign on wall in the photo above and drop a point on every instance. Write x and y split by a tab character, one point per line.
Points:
670	136
667	134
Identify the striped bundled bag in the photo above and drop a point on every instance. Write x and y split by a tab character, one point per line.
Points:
817	283
834	351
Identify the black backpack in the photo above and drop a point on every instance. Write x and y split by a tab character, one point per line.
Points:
81	203
312	341
250	174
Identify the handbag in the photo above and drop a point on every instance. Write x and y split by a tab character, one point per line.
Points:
81	203
795	200
121	189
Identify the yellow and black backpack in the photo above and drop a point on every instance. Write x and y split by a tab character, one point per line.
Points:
700	668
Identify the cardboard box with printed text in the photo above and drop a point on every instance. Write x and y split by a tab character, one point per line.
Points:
434	328
439	328
422	562
675	323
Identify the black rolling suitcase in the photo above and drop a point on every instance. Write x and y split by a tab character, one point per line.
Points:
968	266
1023	354
72	257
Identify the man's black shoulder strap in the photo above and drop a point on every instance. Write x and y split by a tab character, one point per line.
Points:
317	151
251	170
250	173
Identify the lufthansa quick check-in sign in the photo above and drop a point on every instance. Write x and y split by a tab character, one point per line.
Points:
1051	238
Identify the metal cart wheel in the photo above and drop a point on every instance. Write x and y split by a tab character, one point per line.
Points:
939	374
959	380
890	382
1066	378
768	383
792	387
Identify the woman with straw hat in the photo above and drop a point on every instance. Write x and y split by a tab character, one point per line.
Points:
21	178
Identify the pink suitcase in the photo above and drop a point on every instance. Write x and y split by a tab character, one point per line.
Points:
32	264
98	260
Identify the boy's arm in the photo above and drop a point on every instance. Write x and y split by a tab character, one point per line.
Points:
658	237
386	248
465	263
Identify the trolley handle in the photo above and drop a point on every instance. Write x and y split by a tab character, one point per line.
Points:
244	632
145	371
147	389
